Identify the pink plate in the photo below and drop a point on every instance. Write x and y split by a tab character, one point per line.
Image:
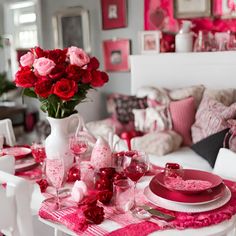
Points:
18	152
189	174
175	196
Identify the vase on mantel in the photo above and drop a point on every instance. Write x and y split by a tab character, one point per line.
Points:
58	140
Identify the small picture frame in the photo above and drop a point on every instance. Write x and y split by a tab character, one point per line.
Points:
71	28
149	41
114	14
192	8
116	54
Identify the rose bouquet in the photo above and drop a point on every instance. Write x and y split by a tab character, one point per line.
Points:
60	79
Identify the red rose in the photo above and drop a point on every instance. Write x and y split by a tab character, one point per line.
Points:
25	78
93	64
57	55
99	78
74	72
57	72
43	88
39	52
87	77
43	184
105	196
94	214
65	89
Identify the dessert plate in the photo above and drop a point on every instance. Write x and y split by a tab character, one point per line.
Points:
192	182
25	164
17	152
175	196
175	206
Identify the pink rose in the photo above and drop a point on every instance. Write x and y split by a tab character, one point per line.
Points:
78	56
27	59
43	66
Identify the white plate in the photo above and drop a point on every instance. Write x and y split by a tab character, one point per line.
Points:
25	164
18	152
174	206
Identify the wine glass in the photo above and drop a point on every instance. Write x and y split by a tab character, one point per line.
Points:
39	154
56	176
135	164
78	145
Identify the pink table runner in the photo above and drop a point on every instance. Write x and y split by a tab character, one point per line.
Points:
131	226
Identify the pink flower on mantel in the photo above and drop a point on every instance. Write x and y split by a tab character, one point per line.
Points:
27	59
78	56
43	66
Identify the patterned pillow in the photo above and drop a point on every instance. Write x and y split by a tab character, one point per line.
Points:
182	114
225	96
211	117
124	105
157	143
195	91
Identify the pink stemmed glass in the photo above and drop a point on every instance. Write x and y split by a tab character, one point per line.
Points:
39	154
78	145
56	177
135	165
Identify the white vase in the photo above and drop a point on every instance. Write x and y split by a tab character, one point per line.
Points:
57	143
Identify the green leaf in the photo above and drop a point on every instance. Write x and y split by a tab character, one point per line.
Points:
29	92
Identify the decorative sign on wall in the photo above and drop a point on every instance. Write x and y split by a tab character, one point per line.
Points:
116	54
114	14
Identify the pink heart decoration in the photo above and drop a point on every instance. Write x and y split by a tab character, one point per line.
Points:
157	17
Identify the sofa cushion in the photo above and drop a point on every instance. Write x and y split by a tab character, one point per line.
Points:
211	117
182	114
195	91
155	96
209	147
225	96
157	143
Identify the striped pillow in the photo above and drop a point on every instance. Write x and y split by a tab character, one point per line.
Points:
211	117
182	114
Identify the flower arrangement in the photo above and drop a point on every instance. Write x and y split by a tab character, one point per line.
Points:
60	79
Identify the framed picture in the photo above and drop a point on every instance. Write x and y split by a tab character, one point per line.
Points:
116	54
192	8
71	28
114	14
149	41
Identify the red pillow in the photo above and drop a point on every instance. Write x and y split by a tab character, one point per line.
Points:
183	116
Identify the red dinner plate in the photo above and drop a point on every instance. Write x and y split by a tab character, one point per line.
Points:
17	152
189	174
175	196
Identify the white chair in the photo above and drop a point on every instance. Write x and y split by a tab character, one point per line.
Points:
7	164
225	164
6	130
15	217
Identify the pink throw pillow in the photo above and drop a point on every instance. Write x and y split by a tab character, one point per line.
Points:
183	116
211	117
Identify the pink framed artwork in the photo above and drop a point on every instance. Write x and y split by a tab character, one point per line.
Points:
114	14
116	54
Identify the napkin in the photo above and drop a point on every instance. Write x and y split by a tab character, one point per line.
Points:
79	190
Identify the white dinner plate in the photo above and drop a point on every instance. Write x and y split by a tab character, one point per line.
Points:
25	164
176	206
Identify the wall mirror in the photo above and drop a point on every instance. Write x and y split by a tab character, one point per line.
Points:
71	27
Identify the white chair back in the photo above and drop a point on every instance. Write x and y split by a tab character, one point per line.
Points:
6	130
7	164
225	164
15	195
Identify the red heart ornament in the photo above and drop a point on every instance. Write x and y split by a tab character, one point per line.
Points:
157	17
